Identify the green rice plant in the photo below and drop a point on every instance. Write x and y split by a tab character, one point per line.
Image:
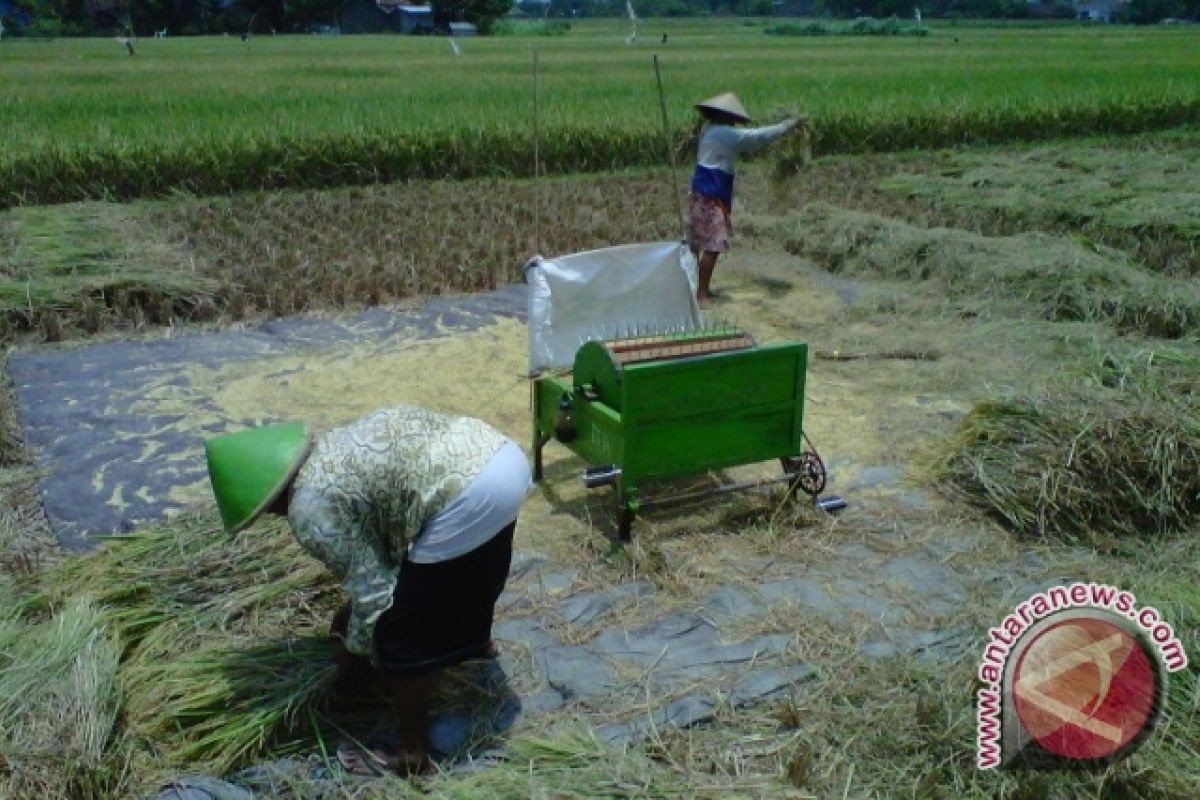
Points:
1060	279
794	29
863	26
1157	371
255	581
538	27
210	116
59	706
569	761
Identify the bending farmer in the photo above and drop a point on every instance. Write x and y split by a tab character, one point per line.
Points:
711	200
413	512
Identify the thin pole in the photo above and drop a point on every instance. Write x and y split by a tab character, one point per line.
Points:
662	103
537	164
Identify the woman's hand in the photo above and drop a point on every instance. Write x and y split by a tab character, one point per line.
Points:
352	667
341	622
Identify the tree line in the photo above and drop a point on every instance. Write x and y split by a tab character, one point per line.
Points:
198	17
191	17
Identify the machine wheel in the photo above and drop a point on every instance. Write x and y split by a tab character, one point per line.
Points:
809	473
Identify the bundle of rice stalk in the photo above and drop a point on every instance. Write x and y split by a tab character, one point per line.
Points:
230	700
191	568
795	152
221	661
58	707
1079	468
1062	279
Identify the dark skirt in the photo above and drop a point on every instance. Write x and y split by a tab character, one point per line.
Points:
441	614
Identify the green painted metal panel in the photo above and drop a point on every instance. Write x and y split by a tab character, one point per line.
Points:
686	447
594	365
713	385
599	431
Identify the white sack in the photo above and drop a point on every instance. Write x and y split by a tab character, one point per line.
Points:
606	293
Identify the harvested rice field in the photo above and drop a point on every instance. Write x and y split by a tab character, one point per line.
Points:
1003	392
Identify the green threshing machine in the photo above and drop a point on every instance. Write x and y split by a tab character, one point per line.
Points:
653	392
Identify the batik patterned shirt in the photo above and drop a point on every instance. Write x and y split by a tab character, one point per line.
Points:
366	490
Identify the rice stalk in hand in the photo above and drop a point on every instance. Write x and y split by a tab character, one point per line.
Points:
795	152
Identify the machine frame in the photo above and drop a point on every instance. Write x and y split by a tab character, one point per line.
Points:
683	415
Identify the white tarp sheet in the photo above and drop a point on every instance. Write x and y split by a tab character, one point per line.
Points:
606	293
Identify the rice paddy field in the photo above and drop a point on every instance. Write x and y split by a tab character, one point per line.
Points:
82	119
993	256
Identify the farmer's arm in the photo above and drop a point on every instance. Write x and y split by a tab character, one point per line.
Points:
337	539
370	584
745	140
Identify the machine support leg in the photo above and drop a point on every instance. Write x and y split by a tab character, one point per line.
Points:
539	442
627	505
625	525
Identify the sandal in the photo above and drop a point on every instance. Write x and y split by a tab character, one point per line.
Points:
360	760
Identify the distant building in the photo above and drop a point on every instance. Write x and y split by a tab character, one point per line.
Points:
1101	10
386	16
415	19
463	29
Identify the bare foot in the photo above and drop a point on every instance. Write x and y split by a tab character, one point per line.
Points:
372	763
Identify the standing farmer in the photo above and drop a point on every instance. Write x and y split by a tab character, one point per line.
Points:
413	512
711	199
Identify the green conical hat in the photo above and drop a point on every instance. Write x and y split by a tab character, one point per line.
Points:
250	469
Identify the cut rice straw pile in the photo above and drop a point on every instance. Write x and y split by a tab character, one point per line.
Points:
224	653
1119	459
58	706
1061	279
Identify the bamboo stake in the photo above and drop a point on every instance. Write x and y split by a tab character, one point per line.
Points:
662	103
537	162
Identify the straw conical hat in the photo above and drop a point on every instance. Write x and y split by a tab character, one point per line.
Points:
250	469
727	103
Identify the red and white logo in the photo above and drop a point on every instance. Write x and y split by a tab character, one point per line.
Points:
1084	688
1075	676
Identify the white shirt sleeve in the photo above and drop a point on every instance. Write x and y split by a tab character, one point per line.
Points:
720	143
749	139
